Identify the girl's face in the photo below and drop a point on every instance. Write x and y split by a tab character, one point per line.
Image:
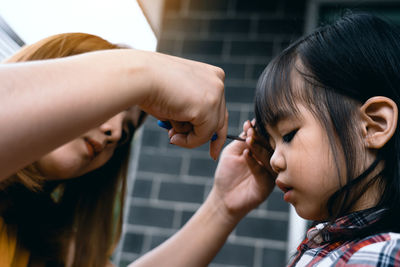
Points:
304	162
91	150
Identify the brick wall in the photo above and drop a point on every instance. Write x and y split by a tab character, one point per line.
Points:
170	183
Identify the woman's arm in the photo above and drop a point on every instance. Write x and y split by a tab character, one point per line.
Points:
241	184
47	103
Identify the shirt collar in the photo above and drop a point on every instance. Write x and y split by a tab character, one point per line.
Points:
343	227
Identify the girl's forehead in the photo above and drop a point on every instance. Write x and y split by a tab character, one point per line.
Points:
287	114
283	111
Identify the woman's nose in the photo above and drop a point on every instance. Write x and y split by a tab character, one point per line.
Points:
112	129
277	161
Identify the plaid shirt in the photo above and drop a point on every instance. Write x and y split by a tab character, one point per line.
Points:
323	245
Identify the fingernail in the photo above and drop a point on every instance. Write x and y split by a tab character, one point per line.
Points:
249	140
172	139
250	131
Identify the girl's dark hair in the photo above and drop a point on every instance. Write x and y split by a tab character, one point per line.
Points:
341	66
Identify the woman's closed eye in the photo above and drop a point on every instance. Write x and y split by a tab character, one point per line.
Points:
288	137
126	135
124	138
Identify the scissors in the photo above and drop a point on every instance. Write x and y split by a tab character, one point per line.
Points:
167	125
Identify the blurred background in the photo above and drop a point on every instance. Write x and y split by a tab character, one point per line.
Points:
167	184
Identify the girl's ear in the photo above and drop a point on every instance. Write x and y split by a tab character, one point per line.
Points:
379	121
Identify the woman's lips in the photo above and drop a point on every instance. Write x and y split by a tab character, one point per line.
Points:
285	188
93	147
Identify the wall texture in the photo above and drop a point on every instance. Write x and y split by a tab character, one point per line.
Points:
170	183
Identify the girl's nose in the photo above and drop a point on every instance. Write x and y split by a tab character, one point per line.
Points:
277	162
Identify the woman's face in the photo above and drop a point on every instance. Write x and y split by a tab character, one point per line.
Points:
91	150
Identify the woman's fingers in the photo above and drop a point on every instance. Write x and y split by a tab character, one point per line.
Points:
181	127
261	174
191	93
259	147
258	151
216	145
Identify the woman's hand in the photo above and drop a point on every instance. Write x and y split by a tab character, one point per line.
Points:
190	95
244	179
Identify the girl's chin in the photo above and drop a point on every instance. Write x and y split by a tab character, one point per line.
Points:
310	215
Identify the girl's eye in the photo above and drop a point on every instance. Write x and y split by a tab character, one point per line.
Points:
288	137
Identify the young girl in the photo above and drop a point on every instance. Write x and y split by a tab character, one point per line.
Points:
328	106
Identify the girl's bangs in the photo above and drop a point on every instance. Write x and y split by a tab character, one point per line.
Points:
277	92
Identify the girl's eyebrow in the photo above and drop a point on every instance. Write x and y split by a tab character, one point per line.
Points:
280	115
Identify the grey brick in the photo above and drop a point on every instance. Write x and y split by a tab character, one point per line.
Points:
235	255
251	115
229	26
157	240
234	120
284	44
274	257
151	137
177	150
133	243
150	121
257	70
232	70
202	47
257	5
142	188
183	25
202	167
181	192
280	26
149	216
186	215
263	228
240	94
295	8
204	147
276	203
251	49
170	164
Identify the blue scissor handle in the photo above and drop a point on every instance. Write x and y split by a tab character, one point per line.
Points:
167	125
164	124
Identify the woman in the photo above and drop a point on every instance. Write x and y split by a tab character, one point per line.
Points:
65	207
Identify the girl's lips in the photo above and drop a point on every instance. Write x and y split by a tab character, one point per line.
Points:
285	188
94	148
